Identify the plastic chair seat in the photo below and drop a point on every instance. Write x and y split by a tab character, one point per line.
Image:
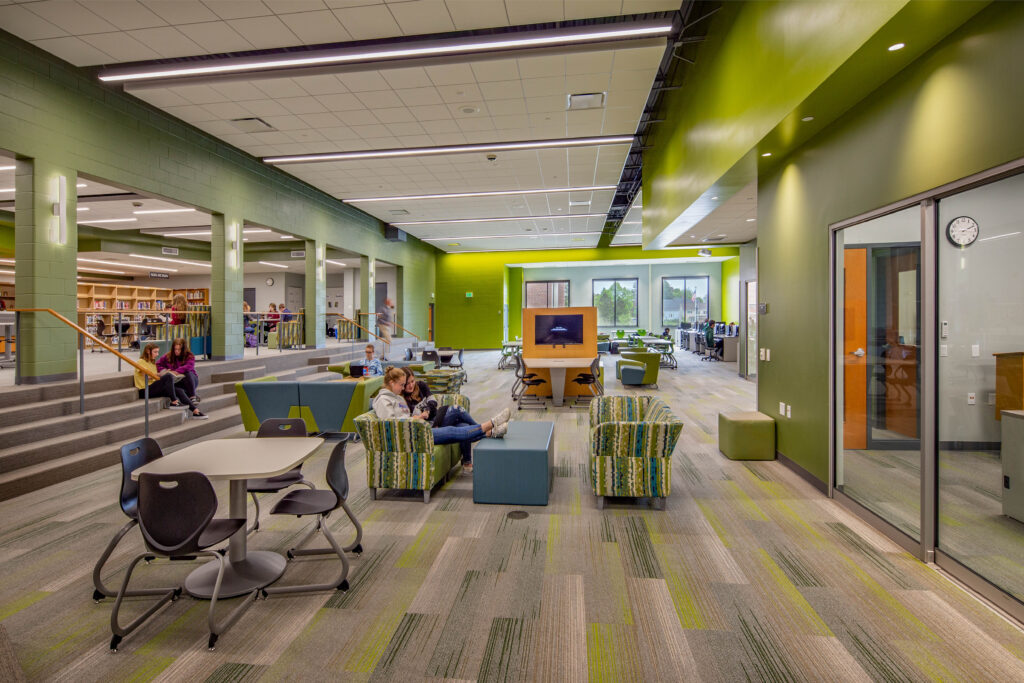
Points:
308	502
219	530
274	484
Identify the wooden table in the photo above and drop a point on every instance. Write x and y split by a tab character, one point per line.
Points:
558	366
236	460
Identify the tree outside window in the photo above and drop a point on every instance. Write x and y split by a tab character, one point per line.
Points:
616	302
684	299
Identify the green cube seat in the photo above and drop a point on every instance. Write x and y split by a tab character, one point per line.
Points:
746	436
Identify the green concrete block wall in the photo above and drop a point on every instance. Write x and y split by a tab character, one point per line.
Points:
956	111
731	290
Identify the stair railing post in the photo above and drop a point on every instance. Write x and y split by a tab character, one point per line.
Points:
118	330
146	398
17	351
259	334
81	373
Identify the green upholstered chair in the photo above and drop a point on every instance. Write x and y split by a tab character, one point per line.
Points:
746	436
443	380
401	454
363	395
267	398
637	368
631	444
340	368
417	366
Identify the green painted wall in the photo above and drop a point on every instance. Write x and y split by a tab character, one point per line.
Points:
731	290
956	111
478	322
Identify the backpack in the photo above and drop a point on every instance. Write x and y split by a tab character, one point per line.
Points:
250	340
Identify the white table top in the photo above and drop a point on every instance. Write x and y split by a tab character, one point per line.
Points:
581	362
511	343
236	458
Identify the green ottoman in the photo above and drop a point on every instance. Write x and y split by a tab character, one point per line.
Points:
746	436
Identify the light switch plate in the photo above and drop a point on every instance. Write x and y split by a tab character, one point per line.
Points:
789	411
782	408
768	355
760	354
943	350
991	398
975	350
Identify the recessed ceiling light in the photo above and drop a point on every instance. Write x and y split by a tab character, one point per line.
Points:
497	193
767	154
721	235
470	110
807	118
81	185
110	220
150	211
353	55
714	199
896	46
286	237
126	265
452	149
275	265
6	272
6	189
8	261
173	260
594	100
501	220
82	208
489	237
192	233
751	220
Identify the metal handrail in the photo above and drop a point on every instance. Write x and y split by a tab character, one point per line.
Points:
405	330
349	320
82	335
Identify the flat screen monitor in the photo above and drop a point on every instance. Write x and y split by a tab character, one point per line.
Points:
558	329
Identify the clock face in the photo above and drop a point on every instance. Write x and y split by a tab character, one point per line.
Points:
962	231
270	282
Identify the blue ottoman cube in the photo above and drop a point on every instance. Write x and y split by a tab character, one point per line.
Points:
517	469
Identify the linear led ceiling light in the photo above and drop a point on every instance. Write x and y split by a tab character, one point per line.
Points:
335	263
390	52
100	270
275	265
90	221
127	265
452	149
497	193
488	237
151	211
498	220
172	260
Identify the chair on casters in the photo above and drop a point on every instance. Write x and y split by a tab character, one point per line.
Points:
133	456
589	379
321	502
276	427
176	518
526	380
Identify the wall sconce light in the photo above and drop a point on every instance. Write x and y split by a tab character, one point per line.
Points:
59	227
320	256
234	255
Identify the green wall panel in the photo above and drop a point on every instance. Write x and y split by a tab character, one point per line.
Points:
956	111
731	290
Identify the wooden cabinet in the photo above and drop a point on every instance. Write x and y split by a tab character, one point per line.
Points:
1009	382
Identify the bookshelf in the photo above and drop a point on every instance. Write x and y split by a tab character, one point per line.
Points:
132	303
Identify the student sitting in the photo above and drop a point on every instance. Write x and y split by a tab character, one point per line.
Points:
181	361
164	386
372	365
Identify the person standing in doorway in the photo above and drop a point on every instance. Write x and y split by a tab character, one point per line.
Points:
385	324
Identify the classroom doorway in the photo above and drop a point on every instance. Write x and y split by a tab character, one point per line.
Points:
249	297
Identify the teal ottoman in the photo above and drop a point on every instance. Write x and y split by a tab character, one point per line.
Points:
517	469
746	436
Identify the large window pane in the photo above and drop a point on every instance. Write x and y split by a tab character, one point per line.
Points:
616	302
981	348
878	319
547	294
684	299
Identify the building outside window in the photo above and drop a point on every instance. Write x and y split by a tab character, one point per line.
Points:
547	294
684	299
616	302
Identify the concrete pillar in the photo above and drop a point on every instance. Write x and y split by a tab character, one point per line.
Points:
399	300
366	293
316	295
45	274
226	286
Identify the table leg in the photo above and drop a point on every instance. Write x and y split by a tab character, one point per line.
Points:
557	385
245	571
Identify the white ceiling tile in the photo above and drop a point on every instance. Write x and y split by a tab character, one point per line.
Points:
282	7
541	67
191	113
409	128
365	23
450	74
338	133
447	138
167	41
358	117
432	112
414	77
589	62
237	9
217	127
239	90
533	11
363	81
419	96
200	94
495	70
394	115
264	32
340	102
551	103
379	98
631	81
641	6
326	84
286	122
470	14
277	88
216	36
510	121
418	17
163	97
230	110
316	27
440	127
307	135
506	107
540	87
29	26
627	59
501	89
453	94
124	15
121	46
584	123
180	11
372	131
416	140
587	83
302	105
71	17
260	107
583	9
320	121
74	50
468	125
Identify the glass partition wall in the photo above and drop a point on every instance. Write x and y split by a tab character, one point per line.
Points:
928	377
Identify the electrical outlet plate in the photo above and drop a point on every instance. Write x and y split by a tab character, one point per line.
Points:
760	354
768	355
972	398
789	411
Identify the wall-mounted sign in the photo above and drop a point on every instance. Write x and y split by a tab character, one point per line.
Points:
299	253
159	276
169	251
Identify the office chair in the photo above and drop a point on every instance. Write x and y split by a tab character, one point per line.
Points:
408	353
429	355
589	379
525	382
276	428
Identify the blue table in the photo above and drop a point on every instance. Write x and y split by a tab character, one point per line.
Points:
517	469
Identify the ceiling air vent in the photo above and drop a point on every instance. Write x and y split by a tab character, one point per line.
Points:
712	239
252	124
592	100
398	212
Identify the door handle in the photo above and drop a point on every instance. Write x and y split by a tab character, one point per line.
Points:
859	353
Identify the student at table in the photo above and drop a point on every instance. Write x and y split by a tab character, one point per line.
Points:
165	386
285	313
181	361
372	364
178	305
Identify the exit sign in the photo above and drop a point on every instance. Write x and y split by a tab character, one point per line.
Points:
469	295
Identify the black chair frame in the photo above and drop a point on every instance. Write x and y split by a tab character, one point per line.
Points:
276	428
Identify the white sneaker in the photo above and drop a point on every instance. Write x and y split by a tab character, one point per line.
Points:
499	431
502	417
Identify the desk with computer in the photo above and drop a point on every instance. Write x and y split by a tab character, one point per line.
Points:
693	337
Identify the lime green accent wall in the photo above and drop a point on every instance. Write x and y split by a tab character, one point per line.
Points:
7	237
954	112
478	322
731	290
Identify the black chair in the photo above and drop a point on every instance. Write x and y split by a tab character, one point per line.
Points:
275	428
527	380
133	456
408	353
321	502
458	364
431	355
176	518
589	379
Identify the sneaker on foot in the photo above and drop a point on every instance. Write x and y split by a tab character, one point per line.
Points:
467	467
194	399
175	405
499	431
198	415
502	417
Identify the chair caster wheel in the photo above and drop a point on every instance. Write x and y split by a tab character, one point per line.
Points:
177	594
263	593
149	558
358	550
212	642
290	555
343	586
114	642
97	596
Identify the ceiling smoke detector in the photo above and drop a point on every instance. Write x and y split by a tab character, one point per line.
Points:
592	100
470	110
704	252
252	124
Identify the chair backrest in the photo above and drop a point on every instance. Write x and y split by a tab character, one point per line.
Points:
460	356
595	367
101	326
282	427
444	348
133	456
408	354
174	509
431	355
337	475
520	367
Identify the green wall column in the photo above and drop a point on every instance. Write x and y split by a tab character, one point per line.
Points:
399	300
226	286
366	288
316	295
45	272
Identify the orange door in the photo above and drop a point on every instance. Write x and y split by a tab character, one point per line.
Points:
855	344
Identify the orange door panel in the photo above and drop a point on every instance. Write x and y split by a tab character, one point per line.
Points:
855	344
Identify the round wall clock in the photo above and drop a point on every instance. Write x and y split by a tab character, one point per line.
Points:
270	282
962	231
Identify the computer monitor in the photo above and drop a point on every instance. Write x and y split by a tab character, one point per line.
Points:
561	329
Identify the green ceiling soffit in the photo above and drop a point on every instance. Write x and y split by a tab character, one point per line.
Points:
596	254
763	67
131	241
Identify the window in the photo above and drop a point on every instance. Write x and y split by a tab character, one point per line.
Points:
547	294
684	299
616	302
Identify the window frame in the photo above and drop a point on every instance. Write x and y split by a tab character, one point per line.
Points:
526	287
615	313
665	278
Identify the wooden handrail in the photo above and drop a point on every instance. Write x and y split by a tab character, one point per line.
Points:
405	330
95	339
353	322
